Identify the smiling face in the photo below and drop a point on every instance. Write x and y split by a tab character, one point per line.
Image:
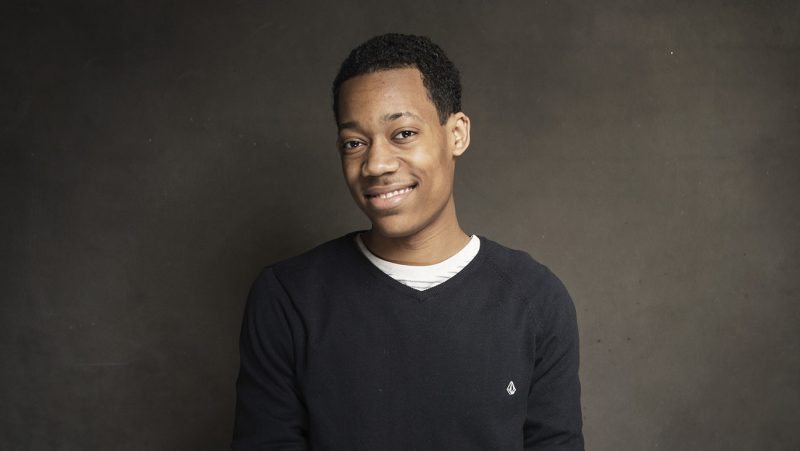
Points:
398	159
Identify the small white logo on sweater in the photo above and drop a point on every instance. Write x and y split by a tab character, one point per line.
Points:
511	389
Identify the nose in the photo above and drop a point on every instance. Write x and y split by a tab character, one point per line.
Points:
380	159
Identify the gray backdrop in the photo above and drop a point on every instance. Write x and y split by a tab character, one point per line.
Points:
155	155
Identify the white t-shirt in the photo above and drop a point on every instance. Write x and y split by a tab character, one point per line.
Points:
422	277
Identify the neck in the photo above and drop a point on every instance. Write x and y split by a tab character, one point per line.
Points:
429	246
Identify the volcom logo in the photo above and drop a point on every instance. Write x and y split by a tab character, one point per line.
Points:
511	389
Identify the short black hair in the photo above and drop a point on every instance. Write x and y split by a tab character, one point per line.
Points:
395	51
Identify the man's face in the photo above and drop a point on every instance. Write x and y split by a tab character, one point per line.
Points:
398	160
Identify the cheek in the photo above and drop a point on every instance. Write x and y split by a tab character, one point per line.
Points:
350	171
439	177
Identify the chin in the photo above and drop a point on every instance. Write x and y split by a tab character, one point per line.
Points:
390	228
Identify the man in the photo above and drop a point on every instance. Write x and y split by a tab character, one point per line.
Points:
412	335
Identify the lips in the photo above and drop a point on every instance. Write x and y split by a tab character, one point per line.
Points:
388	197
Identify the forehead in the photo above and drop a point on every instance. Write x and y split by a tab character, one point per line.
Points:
384	92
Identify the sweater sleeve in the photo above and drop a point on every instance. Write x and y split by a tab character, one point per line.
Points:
270	414
553	421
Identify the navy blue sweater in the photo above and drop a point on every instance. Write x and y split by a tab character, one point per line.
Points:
336	355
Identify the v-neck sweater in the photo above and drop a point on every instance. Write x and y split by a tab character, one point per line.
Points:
423	277
337	355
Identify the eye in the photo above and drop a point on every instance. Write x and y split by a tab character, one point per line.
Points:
351	144
405	134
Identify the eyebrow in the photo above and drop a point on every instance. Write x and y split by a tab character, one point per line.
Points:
395	116
386	118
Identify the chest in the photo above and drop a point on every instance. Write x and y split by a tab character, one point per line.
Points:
396	364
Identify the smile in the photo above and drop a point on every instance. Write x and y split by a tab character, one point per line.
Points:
389	200
393	193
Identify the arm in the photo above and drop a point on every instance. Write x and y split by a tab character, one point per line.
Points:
269	412
554	420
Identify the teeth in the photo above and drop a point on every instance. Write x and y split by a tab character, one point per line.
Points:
395	193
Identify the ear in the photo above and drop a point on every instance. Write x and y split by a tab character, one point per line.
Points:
459	128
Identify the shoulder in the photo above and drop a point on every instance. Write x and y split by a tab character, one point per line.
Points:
529	278
314	266
515	265
318	257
